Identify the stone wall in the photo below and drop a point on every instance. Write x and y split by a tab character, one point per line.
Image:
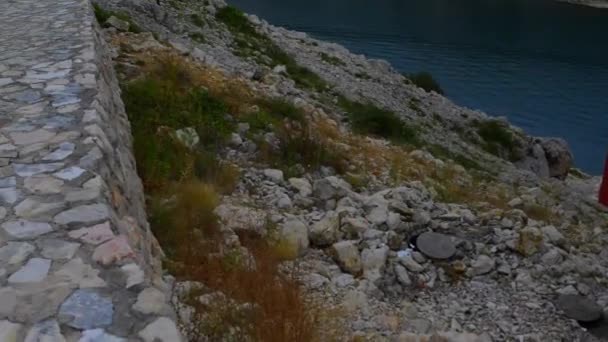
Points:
77	259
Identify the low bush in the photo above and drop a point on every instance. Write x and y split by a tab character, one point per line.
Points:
166	100
443	153
102	15
197	20
332	59
249	42
197	37
300	148
498	139
371	120
425	81
258	302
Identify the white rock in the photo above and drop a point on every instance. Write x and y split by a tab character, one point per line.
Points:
552	234
302	185
374	260
279	69
161	330
346	254
150	301
274	175
9	331
411	264
294	233
45	331
99	335
402	276
325	232
188	136
482	265
235	140
135	275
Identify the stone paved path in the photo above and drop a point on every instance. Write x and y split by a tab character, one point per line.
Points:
77	260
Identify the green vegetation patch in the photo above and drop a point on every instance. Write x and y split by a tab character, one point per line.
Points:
251	43
443	153
197	20
371	120
301	149
197	37
333	60
497	137
166	101
102	15
425	81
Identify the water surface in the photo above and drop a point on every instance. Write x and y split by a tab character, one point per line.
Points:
543	64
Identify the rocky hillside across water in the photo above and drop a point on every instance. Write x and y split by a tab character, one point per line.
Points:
591	3
398	215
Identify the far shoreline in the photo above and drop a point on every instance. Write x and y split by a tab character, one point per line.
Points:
601	4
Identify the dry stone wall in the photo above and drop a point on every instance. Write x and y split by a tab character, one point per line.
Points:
77	259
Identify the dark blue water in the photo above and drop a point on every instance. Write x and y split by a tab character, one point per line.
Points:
542	64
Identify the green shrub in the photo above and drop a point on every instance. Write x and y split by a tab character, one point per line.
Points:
443	153
197	37
363	76
300	145
332	59
497	137
197	20
162	102
249	42
425	81
102	15
369	119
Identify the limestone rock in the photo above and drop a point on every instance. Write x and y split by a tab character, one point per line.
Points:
274	175
160	330
331	187
150	301
9	331
294	235
579	308
325	232
302	185
482	265
530	241
45	331
559	157
552	235
435	245
346	254
118	24
374	261
188	137
99	335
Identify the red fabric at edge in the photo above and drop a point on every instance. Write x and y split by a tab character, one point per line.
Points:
604	186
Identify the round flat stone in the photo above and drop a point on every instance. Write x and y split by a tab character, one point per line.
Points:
579	308
435	245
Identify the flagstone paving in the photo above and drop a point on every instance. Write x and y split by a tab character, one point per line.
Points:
77	259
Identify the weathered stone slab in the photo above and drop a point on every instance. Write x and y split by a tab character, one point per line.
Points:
86	309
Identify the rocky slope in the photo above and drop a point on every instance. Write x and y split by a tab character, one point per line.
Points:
451	236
